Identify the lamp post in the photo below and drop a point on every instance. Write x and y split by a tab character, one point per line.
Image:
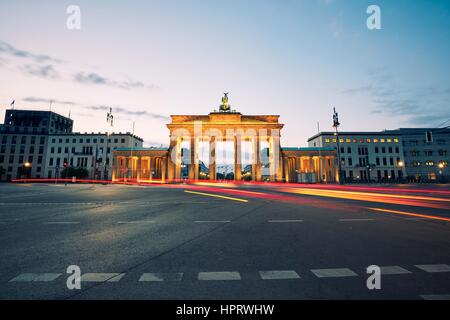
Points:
336	125
401	165
109	121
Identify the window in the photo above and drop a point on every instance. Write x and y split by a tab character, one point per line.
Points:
342	150
14	140
377	150
440	141
53	140
88	140
33	140
116	140
11	159
42	140
39	160
428	153
442	152
384	162
95	140
349	149
397	150
52	150
3	149
378	161
390	149
350	161
60	140
343	161
50	162
31	149
59	149
383	149
13	149
123	140
66	149
5	139
415	153
391	161
428	137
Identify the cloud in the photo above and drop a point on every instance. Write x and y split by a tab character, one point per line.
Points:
125	111
421	106
95	78
47	101
8	49
42	71
47	67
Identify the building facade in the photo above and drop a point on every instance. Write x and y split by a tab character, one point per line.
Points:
255	149
426	153
24	140
90	151
366	156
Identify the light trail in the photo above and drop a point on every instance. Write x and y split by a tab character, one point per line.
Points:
411	214
216	196
431	202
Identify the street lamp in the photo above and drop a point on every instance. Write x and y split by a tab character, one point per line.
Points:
109	121
336	124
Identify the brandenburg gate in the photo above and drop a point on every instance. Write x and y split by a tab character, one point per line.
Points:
225	125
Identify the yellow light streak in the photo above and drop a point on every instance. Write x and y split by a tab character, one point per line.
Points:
411	214
216	196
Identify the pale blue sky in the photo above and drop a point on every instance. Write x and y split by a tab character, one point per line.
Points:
298	59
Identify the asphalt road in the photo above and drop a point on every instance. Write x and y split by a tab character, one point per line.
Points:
251	242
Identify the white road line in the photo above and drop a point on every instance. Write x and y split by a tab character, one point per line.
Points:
390	270
285	221
217	276
434	268
158	277
435	296
212	221
102	277
36	277
279	275
61	222
136	222
351	220
333	273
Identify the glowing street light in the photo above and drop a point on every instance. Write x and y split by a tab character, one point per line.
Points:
27	164
401	164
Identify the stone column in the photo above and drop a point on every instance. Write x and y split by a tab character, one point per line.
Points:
192	161
178	159
163	169
212	158
237	158
138	168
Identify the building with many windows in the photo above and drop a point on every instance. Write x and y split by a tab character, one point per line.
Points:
91	151
23	142
426	153
366	156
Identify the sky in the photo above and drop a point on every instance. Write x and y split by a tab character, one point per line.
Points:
294	58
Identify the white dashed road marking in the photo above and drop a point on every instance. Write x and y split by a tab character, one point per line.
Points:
285	221
36	277
219	276
136	222
435	296
351	220
279	275
102	277
390	270
61	222
334	273
223	221
433	268
158	277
